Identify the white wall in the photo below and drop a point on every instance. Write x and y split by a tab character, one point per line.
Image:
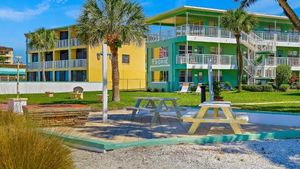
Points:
42	87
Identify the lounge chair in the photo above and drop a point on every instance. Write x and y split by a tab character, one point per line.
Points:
198	90
185	88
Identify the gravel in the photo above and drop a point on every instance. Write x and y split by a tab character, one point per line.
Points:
255	154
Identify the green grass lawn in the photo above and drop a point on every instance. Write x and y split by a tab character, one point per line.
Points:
128	99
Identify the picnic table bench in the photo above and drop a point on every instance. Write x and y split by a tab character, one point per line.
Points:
58	115
225	107
154	108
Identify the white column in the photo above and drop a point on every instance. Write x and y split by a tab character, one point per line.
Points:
69	53
104	83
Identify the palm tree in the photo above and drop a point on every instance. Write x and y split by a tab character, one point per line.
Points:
2	59
238	21
114	22
42	40
289	12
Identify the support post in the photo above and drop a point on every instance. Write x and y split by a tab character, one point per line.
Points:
210	80
104	83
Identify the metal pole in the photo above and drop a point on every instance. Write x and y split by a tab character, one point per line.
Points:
104	81
210	80
18	76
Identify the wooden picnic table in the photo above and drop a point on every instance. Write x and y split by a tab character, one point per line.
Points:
152	107
58	114
225	107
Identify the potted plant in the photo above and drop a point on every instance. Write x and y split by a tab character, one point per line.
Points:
217	92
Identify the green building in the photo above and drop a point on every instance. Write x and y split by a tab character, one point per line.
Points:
182	41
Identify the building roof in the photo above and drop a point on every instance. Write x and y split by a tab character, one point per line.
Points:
11	71
157	19
5	48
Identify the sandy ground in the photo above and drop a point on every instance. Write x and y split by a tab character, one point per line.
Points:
255	154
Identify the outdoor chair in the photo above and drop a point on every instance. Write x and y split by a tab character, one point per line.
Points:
198	90
77	93
185	88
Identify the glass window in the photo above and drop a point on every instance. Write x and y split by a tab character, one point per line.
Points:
182	76
182	49
64	55
78	75
200	77
35	57
160	76
81	53
125	58
64	35
293	53
48	75
49	56
163	52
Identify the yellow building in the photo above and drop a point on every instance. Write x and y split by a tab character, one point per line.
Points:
7	54
72	61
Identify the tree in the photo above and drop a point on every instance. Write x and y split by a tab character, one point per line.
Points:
2	59
42	40
114	22
283	4
283	74
238	21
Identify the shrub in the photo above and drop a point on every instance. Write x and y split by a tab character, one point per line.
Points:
293	79
298	86
193	88
283	74
284	87
162	90
258	88
155	90
149	89
23	146
217	89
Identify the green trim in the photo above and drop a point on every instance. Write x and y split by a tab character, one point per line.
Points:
96	144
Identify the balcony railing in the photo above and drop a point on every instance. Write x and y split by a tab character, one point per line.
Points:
75	42
60	64
160	61
62	43
202	59
217	32
273	61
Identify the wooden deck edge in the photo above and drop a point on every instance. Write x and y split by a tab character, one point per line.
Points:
92	144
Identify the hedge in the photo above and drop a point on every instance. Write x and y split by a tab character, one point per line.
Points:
258	88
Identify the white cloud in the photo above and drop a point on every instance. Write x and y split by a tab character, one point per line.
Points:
20	15
271	6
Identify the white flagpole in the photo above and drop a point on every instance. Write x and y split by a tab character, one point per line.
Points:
104	82
210	80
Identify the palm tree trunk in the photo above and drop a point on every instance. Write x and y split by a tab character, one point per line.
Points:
115	73
43	67
239	61
290	13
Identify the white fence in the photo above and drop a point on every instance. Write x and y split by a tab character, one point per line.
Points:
42	87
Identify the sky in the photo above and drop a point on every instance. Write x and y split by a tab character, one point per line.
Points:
18	17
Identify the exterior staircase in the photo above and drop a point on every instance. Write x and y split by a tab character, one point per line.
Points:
256	47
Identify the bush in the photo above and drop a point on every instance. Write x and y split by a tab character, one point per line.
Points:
283	74
23	146
193	88
162	90
217	89
298	86
258	88
149	89
155	90
284	87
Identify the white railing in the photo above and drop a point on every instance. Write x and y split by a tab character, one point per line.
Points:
202	59
34	65
273	61
62	64
75	42
279	36
62	43
78	63
160	61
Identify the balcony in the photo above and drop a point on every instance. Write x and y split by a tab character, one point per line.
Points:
160	61
201	61
62	43
294	62
75	42
60	64
218	32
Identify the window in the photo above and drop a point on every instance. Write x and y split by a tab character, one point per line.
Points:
200	77
64	35
182	76
35	57
64	55
81	53
125	58
182	49
61	76
199	50
279	53
293	53
48	75
160	76
163	52
78	75
49	56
